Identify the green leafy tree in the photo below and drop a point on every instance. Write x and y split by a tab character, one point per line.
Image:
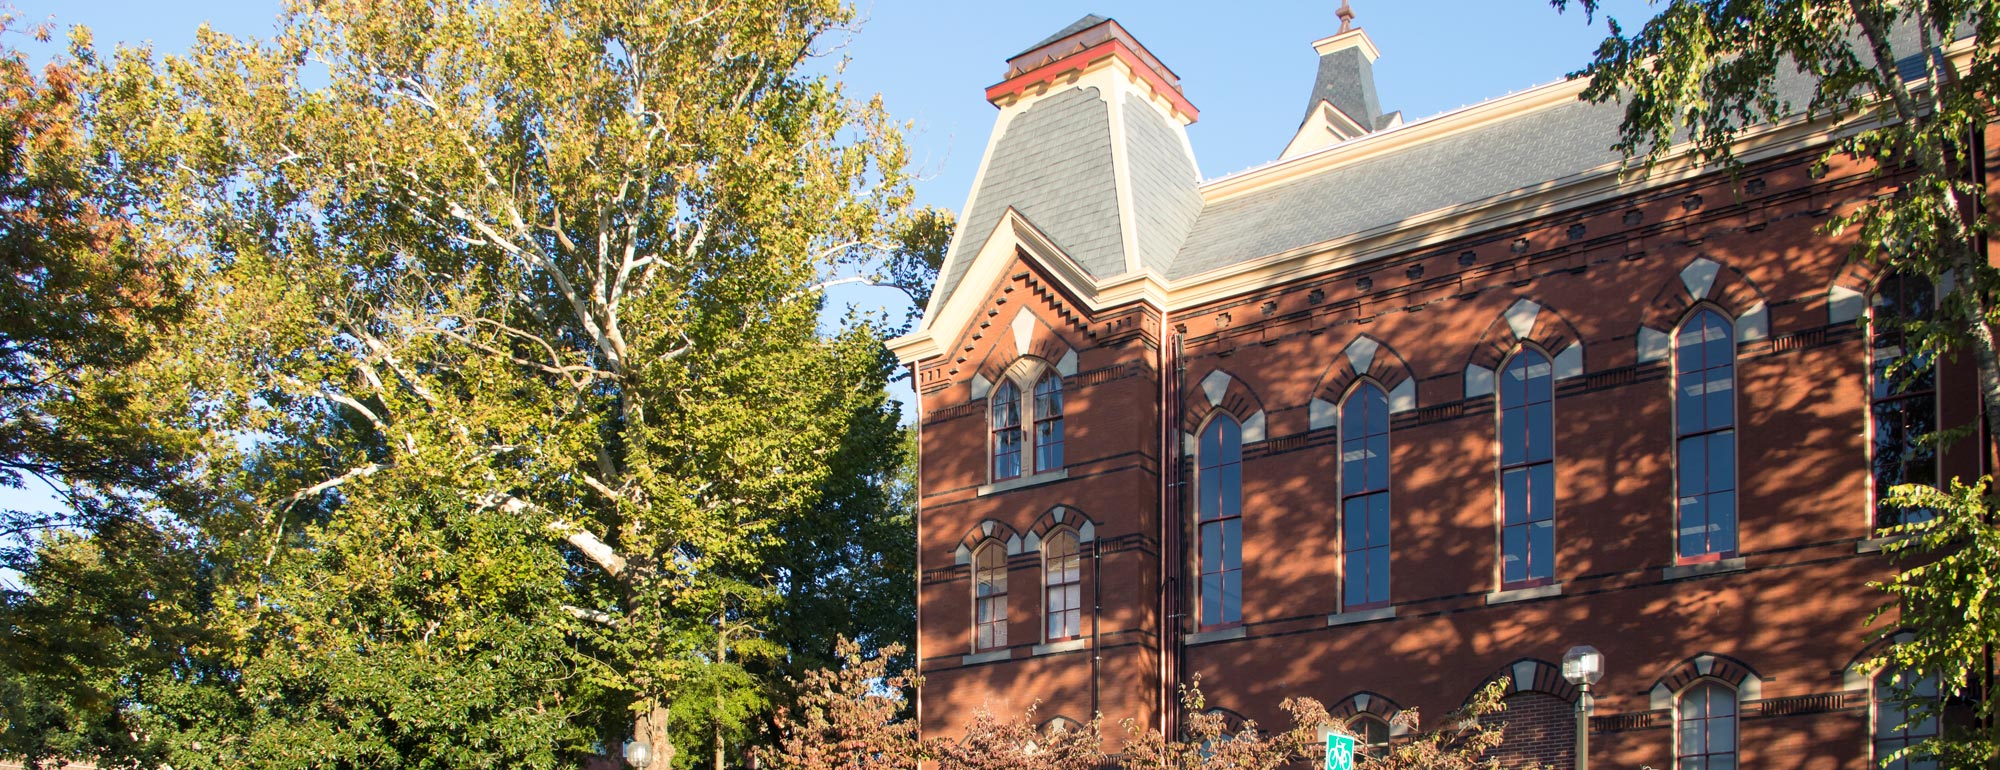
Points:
505	375
1702	73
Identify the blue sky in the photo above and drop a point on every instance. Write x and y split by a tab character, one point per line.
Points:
1248	67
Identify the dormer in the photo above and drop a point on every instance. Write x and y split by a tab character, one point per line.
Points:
1343	104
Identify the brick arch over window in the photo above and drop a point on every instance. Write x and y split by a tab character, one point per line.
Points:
1368	357
1218	390
992	530
1702	281
1747	683
1059	517
1524	321
1856	675
1032	341
1023	370
1531	675
1366	703
1847	296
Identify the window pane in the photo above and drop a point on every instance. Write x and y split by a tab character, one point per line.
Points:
1232	544
1352	457
1542	491
1721	461
1512	391
1539	447
1378	574
1513	437
1378	462
1354	523
1720	398
1211	547
1232	596
1231	486
1722	521
1378	411
1355	567
1514	496
1541	549
1693	466
1514	554
1722	733
1211	599
1378	519
1208	493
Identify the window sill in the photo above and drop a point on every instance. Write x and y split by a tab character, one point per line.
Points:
1701	569
1218	635
1066	645
1024	481
1878	544
987	657
1524	594
1360	616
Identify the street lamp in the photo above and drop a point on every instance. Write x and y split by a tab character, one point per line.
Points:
638	753
1583	665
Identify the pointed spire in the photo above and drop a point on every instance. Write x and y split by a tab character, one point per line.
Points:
1346	15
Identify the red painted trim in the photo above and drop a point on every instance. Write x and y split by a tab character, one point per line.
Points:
1048	73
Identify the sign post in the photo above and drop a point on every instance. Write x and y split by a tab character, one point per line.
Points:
1339	752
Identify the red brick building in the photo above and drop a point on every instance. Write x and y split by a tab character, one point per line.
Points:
1420	405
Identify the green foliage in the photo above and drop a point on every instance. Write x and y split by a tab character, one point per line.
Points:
513	428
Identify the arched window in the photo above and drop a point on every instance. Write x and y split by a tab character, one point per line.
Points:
1527	471
1006	431
1902	396
989	597
1048	423
1219	491
1062	583
1707	724
1705	423
1897	728
1364	496
1371	736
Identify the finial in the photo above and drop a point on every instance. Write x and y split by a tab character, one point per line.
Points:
1346	15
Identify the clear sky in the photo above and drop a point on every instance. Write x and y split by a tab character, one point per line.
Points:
1247	66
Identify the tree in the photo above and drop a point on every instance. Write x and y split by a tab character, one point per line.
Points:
851	716
505	371
1695	78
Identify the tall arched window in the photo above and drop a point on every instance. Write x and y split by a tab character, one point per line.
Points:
1896	728
1705	423
1707	724
1048	422
1062	584
1006	409
1527	471
1903	396
1364	496
1219	490
989	597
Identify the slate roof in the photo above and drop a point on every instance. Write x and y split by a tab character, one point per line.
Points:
1088	21
1053	164
1166	187
1347	79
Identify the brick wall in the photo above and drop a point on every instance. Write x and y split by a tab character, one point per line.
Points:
1540	731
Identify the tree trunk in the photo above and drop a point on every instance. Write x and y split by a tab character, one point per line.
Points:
651	727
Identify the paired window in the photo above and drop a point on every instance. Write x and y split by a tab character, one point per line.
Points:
1706	718
1364	496
1045	414
1062	585
1527	470
1219	507
989	597
1705	424
1896	728
1902	396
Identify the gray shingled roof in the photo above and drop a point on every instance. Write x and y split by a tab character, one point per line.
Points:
1088	21
1166	188
1347	79
1053	164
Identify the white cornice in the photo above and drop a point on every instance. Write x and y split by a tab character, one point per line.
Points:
1354	38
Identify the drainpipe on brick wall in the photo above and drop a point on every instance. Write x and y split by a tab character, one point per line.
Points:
1096	611
917	580
1172	372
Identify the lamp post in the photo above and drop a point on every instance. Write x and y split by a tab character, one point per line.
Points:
638	753
1583	665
